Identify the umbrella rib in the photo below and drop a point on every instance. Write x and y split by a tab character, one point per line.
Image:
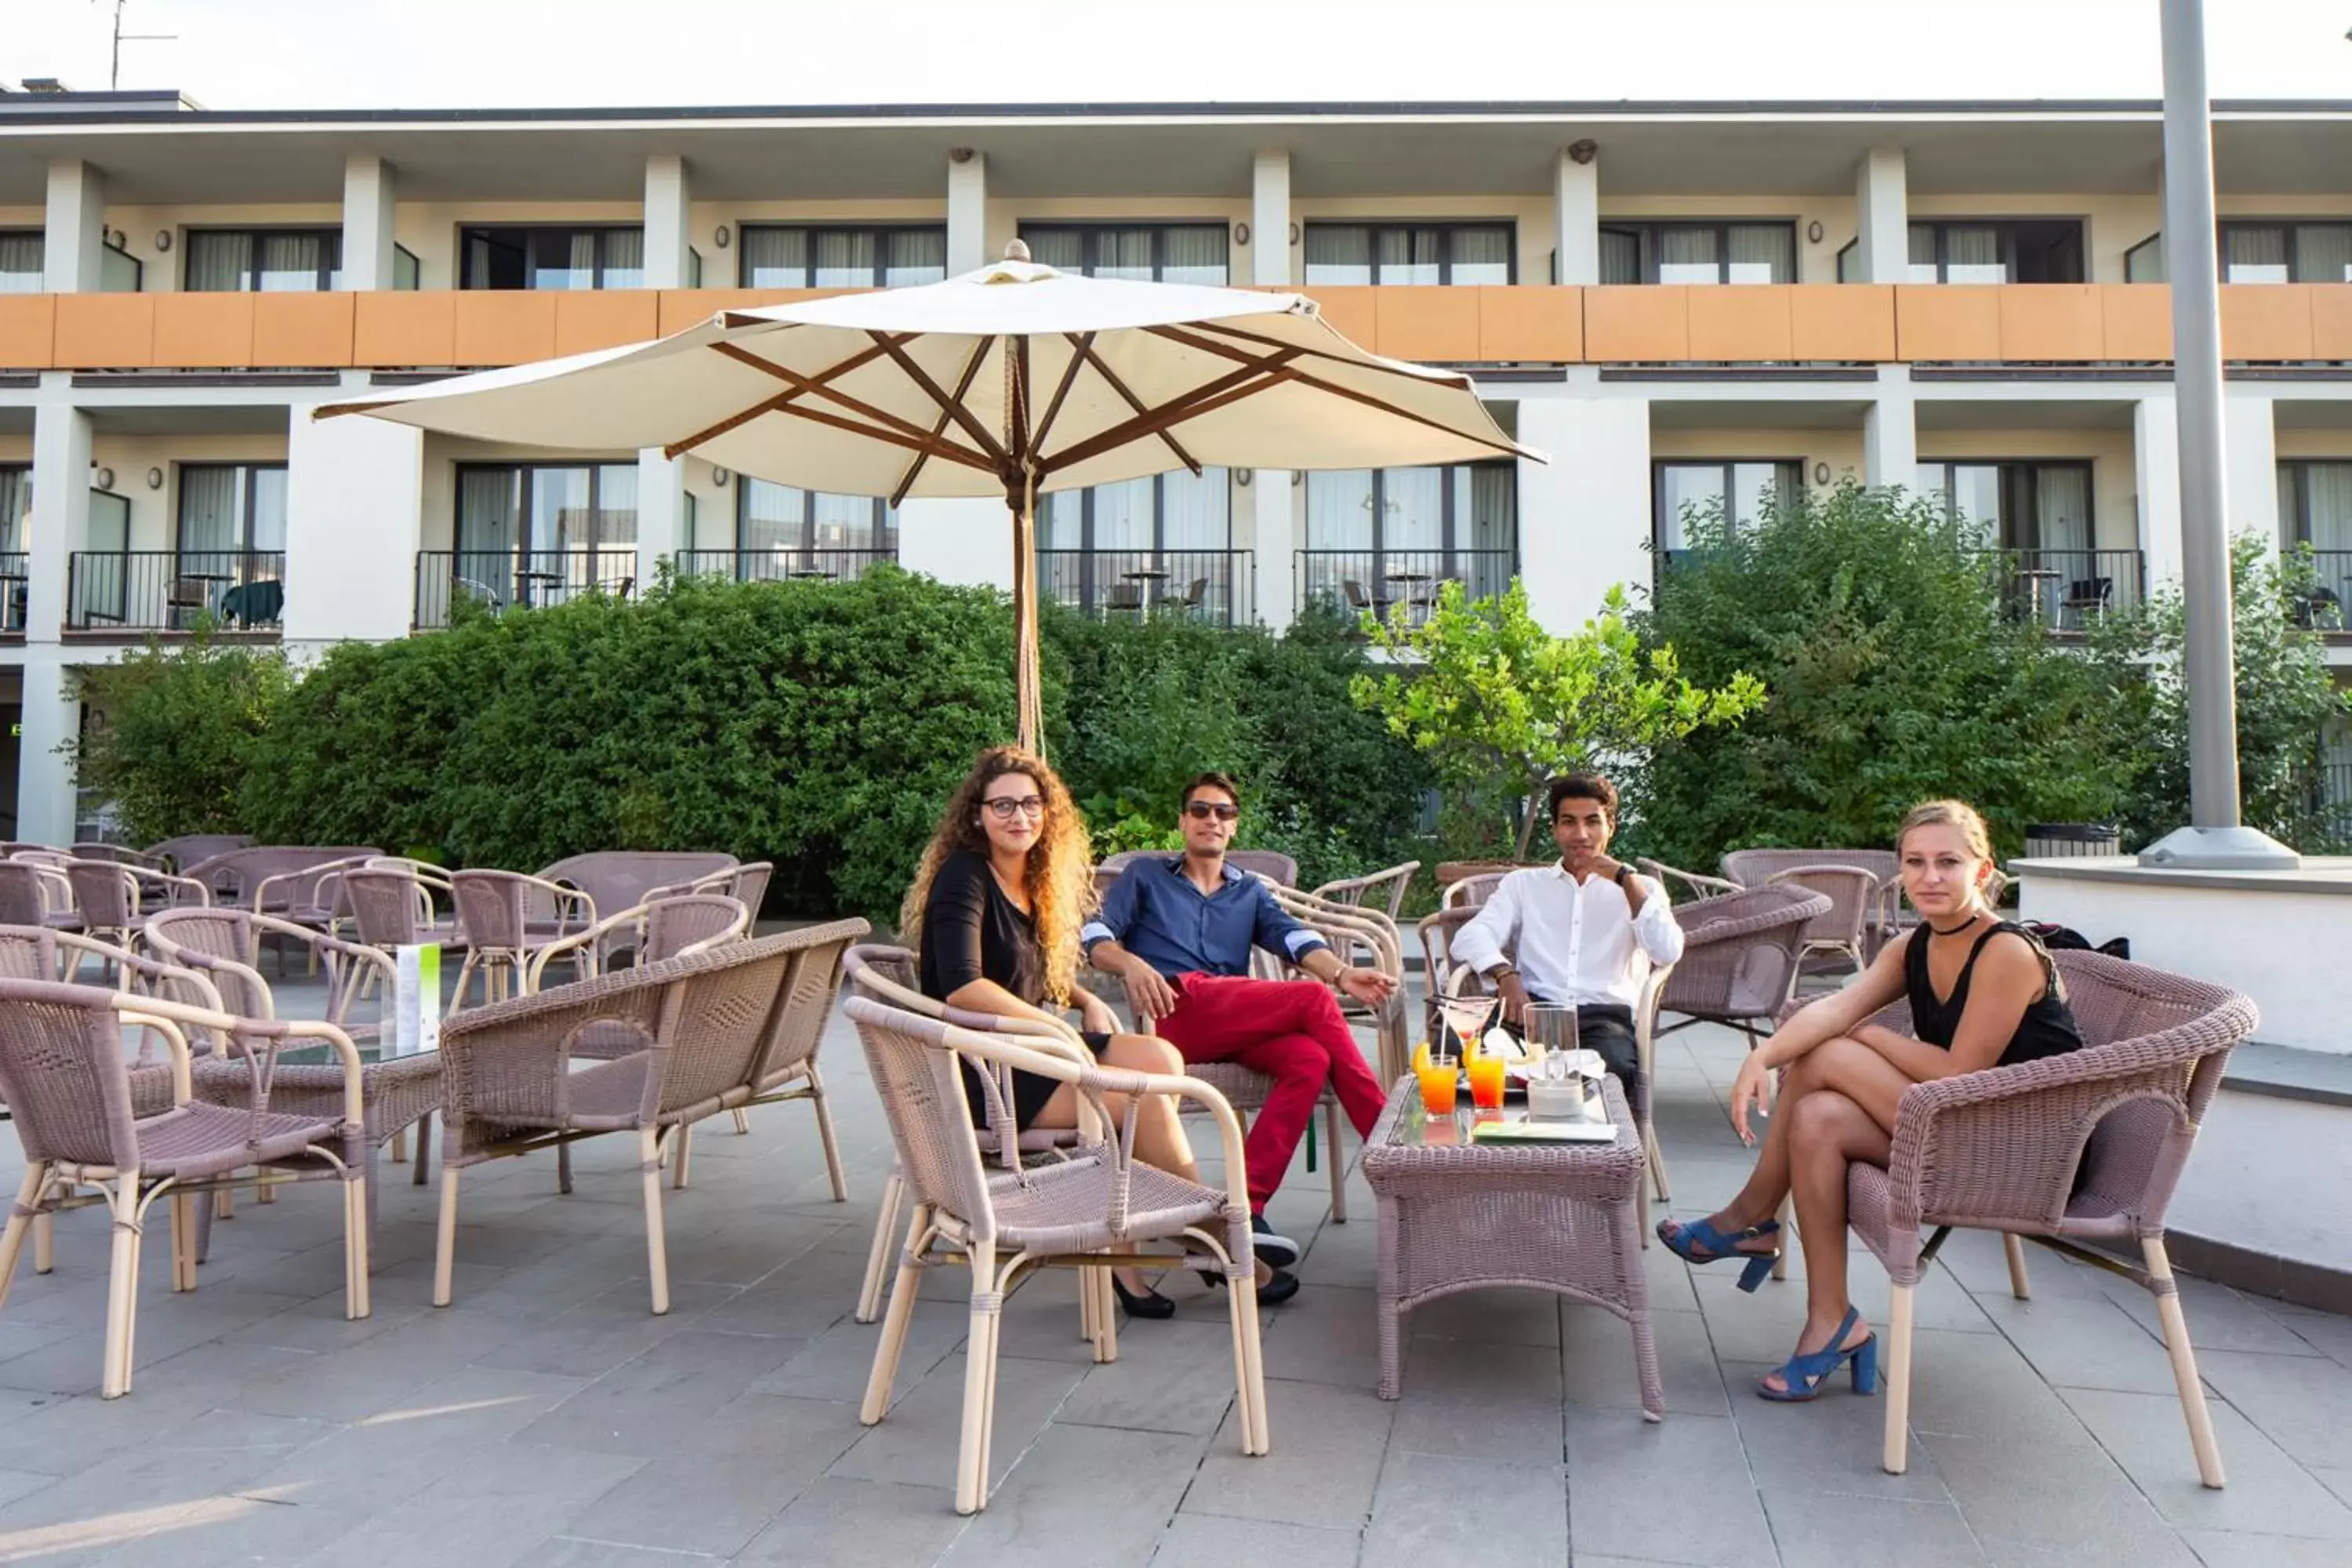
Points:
1086	352
883	434
953	408
970	369
800	383
1303	378
1418	373
770	405
1229	387
1079	341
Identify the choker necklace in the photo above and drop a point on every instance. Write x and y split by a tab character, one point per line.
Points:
1955	931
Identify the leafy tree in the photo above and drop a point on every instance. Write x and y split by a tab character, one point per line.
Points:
176	732
1899	670
1498	704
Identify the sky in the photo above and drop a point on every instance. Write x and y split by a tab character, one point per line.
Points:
329	54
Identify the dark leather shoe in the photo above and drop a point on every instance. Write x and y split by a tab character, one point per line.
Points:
1279	1289
1275	1251
1151	1304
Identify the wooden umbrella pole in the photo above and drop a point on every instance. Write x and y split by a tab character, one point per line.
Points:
1028	697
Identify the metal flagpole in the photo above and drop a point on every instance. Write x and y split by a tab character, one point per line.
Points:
2215	836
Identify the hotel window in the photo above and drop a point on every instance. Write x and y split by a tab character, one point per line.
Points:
1740	491
1698	253
776	255
231	508
552	257
1340	253
263	262
2025	252
1161	512
796	522
21	269
2286	252
2044	506
2316	508
16	510
1143	252
1395	532
2144	262
539	518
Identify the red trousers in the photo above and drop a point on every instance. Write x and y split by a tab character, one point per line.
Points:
1290	1030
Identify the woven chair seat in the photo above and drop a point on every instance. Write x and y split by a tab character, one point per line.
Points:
1063	1207
396	1093
606	1095
202	1139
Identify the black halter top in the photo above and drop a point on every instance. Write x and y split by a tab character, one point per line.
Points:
2046	1030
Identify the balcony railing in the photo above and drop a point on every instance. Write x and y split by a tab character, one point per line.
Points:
1354	580
2067	590
171	590
779	565
14	574
1215	586
2327	607
498	579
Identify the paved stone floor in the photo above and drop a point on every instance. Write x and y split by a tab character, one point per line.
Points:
547	1418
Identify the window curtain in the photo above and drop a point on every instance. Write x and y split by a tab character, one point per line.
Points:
1972	255
1196	513
15	500
1485	498
917	256
1123	515
488	502
1921	255
2323	253
1061	249
290	263
625	259
1621	256
559	510
1340	510
210	513
616	507
1193	255
2062	509
1412	517
21	264
1761	253
1481	256
845	258
1339	255
1686	492
2254	256
1688	255
1976	498
1062	520
768	516
844	522
219	262
1407	255
268	488
1123	253
2328	524
1755	488
776	257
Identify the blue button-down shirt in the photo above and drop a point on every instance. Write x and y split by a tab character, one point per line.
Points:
1155	912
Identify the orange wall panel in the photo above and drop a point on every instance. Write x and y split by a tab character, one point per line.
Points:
305	331
1746	321
203	331
503	326
1427	323
1947	321
28	330
1531	323
405	327
102	332
1842	322
2134	321
684	308
2331	320
603	319
2051	321
1625	322
1353	313
2266	321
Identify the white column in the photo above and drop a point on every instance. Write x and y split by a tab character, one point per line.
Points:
968	213
61	520
45	778
967	541
1882	217
2156	469
667	222
1270	226
1273	543
368	203
1890	432
74	238
661	512
1585	517
2250	469
355	504
1576	220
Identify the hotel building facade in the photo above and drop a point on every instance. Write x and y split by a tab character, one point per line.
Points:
1677	303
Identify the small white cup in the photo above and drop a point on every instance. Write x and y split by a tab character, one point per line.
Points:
1556	1099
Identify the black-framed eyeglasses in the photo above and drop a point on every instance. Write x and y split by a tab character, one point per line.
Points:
1202	810
1007	807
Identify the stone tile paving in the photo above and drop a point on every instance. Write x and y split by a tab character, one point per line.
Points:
546	1419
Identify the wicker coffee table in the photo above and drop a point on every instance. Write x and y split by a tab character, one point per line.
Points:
1456	1215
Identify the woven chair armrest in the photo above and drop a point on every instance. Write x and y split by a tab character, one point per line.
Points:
561	894
179	892
591	937
1722	930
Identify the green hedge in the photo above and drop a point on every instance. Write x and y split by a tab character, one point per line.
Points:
819	725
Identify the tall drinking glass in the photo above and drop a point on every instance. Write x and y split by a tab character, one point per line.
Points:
1551	1031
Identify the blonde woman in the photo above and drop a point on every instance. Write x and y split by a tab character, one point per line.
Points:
1983	993
996	907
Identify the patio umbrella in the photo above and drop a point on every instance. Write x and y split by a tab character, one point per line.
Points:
1012	382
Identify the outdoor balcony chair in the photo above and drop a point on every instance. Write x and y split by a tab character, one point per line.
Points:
62	1072
890	975
2087	596
116	901
714	1024
1196	595
1080	1211
1359	601
1124	597
1740	956
1383	889
508	917
2073	1151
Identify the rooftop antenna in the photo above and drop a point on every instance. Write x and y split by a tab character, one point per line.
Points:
114	68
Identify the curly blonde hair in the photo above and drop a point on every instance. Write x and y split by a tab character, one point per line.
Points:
1058	877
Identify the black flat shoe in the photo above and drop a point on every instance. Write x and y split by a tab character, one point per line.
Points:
1279	1289
1275	1251
1151	1304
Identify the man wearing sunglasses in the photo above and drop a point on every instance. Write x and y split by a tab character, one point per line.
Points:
1179	929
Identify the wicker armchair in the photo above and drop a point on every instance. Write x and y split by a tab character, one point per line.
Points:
1079	1212
1694	885
33	894
2081	1148
116	899
1740	956
622	878
62	1072
1383	889
192	849
710	1026
1857	902
507	918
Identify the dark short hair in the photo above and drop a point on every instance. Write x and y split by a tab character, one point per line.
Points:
1209	780
1584	786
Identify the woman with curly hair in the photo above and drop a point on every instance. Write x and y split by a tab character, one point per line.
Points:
995	909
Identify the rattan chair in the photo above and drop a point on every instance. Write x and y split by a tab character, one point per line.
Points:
2084	1148
1740	956
192	849
709	1025
1856	905
1694	884
1085	1212
116	899
32	893
508	917
62	1072
1383	889
622	878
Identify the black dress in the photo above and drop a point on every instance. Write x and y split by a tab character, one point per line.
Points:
972	931
2046	1030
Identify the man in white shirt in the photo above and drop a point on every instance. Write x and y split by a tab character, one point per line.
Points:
1585	931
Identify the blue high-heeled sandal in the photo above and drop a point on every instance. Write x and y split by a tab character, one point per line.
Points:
1685	1240
1804	1375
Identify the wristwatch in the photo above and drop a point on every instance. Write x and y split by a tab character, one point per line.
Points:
1623	872
1495	975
